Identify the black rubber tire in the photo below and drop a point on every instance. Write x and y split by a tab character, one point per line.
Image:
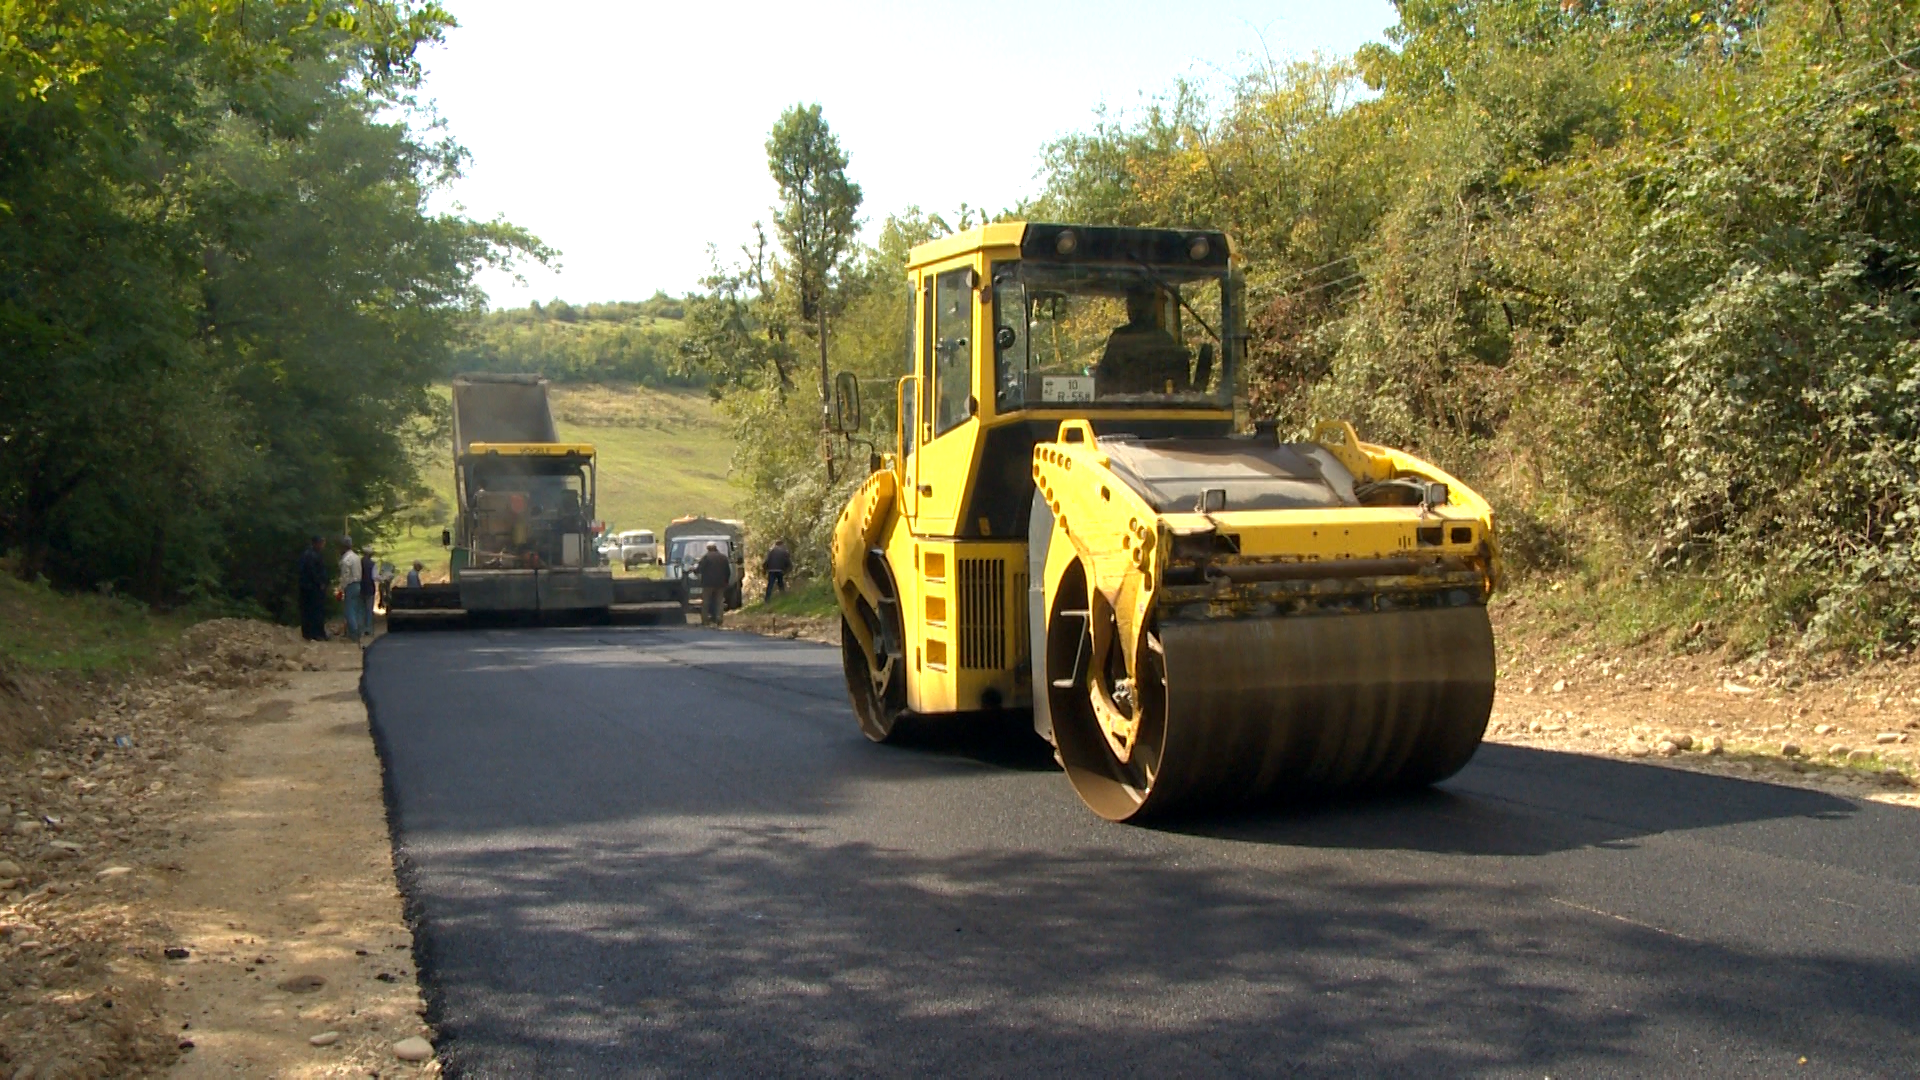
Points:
878	710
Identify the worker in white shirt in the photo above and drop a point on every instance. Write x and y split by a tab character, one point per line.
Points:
350	590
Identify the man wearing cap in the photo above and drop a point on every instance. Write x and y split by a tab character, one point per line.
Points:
313	591
716	573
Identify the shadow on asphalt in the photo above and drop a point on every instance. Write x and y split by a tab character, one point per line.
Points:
1004	739
1494	807
769	949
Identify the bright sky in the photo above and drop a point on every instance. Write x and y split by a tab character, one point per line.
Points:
631	135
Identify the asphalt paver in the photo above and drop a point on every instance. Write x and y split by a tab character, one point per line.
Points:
669	852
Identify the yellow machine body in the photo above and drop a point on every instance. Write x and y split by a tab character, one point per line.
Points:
1195	616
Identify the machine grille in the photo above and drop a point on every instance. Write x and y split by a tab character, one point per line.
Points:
1020	618
983	614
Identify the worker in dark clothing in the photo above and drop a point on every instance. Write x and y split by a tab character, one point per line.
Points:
776	565
715	572
313	591
1142	357
369	589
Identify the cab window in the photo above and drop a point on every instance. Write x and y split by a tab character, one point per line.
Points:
910	403
952	349
1111	334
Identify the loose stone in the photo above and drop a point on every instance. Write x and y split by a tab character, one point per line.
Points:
303	984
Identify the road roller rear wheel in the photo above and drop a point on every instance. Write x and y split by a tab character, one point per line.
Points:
879	698
1113	778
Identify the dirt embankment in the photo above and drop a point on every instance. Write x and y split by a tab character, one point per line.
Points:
1827	724
196	876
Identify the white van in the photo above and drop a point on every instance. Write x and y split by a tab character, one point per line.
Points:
637	546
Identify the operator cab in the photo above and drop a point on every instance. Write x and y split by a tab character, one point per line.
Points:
1019	326
1110	333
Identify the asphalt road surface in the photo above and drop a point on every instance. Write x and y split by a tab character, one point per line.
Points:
670	852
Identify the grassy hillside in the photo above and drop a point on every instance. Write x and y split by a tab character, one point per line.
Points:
663	454
627	343
85	634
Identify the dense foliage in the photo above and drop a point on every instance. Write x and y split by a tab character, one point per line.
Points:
1646	272
222	299
632	342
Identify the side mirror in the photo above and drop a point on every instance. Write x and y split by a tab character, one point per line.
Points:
1203	368
846	403
446	538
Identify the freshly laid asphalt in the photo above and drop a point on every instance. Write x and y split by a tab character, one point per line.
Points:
666	851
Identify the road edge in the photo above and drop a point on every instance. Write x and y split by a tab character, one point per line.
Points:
412	911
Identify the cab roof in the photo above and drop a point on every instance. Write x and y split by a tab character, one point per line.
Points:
1057	243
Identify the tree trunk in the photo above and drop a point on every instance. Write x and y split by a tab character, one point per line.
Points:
35	519
153	569
33	546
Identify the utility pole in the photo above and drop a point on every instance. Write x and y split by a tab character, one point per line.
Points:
826	393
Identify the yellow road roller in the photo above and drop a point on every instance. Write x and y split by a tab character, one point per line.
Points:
1071	522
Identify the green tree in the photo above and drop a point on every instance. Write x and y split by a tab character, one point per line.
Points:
816	219
221	292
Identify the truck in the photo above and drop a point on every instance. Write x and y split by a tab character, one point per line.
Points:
686	540
524	541
1075	522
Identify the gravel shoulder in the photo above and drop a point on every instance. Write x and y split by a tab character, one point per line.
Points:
286	901
197	876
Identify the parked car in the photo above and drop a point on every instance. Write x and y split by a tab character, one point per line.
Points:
637	546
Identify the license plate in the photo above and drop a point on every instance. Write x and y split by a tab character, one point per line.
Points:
1066	388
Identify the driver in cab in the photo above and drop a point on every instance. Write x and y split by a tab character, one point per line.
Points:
1141	357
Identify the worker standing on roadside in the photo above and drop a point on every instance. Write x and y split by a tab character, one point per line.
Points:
413	575
776	565
716	573
350	587
369	590
313	591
